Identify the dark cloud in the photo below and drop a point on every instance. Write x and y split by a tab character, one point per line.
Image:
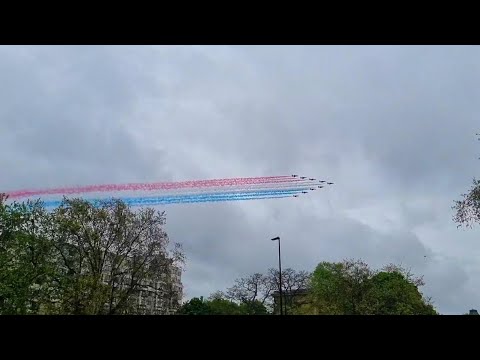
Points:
65	118
393	126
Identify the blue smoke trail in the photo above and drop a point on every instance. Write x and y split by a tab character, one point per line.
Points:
160	201
196	201
174	199
218	197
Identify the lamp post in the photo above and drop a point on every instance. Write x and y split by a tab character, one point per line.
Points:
280	273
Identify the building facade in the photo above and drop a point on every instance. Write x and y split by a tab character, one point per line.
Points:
162	297
158	295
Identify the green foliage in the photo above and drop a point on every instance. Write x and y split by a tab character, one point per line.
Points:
254	307
217	305
195	306
26	267
393	294
81	258
341	288
224	307
108	254
352	288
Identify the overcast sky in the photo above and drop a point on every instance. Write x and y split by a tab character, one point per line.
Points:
393	126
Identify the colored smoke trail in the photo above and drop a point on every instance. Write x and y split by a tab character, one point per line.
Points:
137	194
225	189
160	201
154	186
186	201
136	201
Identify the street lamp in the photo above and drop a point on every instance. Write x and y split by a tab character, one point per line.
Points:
280	273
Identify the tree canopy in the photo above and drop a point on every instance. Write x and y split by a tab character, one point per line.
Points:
217	304
351	287
467	210
27	265
83	258
259	288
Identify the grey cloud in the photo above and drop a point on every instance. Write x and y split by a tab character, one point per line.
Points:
393	126
64	120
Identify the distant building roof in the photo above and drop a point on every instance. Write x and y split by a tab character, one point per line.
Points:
473	312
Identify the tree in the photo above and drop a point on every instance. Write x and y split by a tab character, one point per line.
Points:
85	258
256	287
393	294
260	287
294	283
352	288
109	254
26	267
254	307
224	307
467	210
217	304
341	288
195	306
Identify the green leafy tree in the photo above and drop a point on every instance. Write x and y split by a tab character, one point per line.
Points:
109	254
341	288
217	304
27	272
221	305
224	307
393	294
195	306
84	258
352	288
254	307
